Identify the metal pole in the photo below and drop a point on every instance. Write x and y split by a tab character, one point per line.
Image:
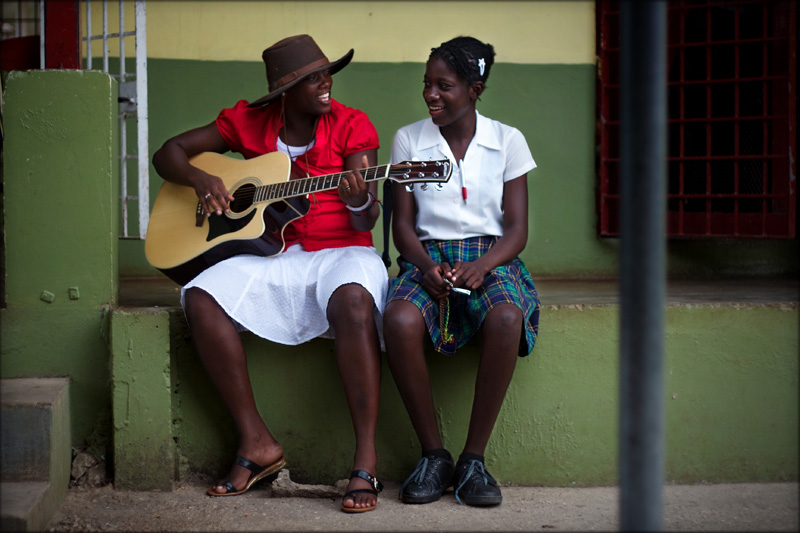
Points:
642	262
89	34
123	126
42	35
142	118
121	42
105	35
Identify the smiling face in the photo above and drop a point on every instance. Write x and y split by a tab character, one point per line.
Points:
312	96
448	96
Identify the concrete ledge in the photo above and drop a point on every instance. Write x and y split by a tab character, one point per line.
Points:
730	383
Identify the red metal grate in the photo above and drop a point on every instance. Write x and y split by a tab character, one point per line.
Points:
731	117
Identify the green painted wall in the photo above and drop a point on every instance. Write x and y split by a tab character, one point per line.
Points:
731	371
731	385
731	400
61	190
553	105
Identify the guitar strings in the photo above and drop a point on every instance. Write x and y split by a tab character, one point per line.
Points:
304	185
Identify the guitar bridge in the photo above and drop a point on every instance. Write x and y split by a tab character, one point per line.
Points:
199	216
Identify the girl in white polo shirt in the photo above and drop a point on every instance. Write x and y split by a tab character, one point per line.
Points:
458	237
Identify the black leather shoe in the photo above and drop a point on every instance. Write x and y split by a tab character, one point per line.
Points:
429	480
475	485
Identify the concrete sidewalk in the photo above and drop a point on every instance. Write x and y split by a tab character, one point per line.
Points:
730	507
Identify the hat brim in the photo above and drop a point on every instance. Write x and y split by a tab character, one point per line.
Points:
332	67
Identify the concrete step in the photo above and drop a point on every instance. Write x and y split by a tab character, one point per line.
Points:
26	505
35	450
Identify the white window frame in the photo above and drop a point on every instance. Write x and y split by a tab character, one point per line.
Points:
133	105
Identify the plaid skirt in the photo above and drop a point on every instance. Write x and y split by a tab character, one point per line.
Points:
510	283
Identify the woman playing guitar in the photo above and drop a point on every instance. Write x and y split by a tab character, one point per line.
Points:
328	282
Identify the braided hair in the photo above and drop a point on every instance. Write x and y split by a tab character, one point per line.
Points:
468	57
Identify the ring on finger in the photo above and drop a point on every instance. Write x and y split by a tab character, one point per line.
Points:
207	195
346	188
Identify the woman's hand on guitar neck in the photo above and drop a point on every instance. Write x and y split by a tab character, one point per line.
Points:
353	189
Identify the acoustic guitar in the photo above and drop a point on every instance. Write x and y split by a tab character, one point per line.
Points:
182	242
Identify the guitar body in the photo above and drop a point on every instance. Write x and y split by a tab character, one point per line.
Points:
182	242
174	235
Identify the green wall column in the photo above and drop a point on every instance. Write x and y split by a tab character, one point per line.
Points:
61	208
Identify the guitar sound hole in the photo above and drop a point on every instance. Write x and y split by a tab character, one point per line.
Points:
243	198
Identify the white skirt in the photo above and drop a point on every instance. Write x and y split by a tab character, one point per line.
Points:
284	298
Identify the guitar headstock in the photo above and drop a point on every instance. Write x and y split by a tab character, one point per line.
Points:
421	171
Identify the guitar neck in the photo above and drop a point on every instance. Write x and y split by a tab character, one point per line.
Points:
303	186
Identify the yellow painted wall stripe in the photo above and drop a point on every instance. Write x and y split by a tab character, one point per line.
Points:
392	31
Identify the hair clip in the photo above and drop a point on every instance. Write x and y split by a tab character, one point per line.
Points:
481	65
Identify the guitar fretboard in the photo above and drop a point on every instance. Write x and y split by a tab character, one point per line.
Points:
303	186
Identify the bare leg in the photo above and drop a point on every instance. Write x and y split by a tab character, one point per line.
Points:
220	349
358	356
501	336
404	332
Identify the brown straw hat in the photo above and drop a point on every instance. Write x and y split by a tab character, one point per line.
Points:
293	59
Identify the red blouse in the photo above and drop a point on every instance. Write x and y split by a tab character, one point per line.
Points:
342	132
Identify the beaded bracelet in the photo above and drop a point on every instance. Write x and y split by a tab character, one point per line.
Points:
364	209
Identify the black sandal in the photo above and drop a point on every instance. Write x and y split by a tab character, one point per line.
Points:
377	487
259	473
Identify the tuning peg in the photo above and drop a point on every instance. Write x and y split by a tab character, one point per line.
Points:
424	186
439	186
410	188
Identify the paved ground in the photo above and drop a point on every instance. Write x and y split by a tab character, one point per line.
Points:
730	507
740	507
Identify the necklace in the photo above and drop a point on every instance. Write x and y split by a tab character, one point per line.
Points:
307	146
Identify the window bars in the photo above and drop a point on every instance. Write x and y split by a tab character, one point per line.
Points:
24	18
133	106
732	118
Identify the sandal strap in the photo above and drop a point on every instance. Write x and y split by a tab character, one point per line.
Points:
248	464
356	491
369	478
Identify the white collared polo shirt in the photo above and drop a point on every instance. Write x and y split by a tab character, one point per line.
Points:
470	204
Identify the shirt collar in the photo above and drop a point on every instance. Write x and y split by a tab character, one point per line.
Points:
485	135
429	136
